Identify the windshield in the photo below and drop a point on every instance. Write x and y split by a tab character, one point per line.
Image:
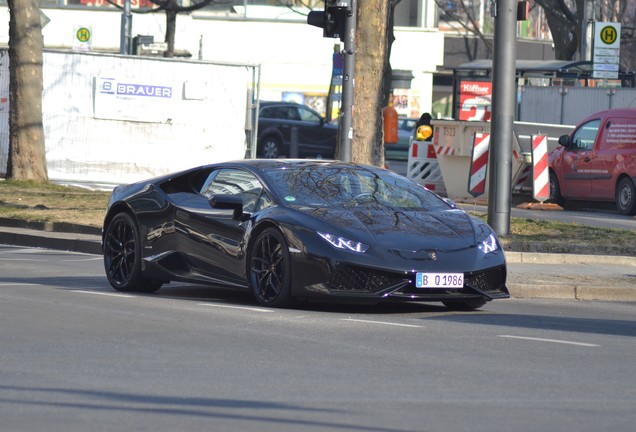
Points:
343	186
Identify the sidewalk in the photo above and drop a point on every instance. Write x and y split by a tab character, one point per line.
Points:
530	274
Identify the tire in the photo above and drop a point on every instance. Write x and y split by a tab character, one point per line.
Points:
465	305
270	148
626	197
122	256
555	190
269	269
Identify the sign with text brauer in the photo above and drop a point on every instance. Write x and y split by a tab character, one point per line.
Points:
134	100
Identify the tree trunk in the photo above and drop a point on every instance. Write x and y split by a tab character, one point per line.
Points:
27	153
171	26
564	26
371	52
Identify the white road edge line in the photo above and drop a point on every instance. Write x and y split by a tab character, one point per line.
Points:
103	294
20	284
549	340
380	322
236	307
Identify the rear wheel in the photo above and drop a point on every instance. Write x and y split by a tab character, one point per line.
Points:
626	197
465	305
122	256
270	148
270	269
555	190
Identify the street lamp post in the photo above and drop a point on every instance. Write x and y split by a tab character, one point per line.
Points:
503	112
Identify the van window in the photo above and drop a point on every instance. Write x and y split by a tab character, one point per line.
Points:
585	135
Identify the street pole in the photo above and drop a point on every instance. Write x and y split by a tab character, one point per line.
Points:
585	46
348	82
126	29
503	113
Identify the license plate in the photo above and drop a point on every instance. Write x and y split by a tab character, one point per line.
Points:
439	280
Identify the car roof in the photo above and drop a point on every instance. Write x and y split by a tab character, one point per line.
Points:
273	103
616	112
272	164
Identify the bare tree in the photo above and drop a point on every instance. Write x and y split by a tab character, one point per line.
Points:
172	8
565	19
27	153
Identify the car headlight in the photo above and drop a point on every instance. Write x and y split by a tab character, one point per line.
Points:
486	240
343	243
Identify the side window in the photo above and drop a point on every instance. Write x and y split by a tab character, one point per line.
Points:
291	113
272	113
308	116
585	135
234	182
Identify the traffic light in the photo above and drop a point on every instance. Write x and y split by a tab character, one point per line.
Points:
332	19
523	10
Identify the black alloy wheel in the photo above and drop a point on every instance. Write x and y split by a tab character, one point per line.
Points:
626	197
122	256
270	269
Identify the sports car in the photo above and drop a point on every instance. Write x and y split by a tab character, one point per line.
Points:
301	230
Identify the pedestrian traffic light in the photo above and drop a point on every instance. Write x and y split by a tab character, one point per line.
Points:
332	19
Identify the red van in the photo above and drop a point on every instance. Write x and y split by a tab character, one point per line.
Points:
597	161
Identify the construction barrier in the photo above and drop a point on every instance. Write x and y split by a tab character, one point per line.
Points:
540	172
479	164
423	167
453	141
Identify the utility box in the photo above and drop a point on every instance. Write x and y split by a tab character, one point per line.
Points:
140	40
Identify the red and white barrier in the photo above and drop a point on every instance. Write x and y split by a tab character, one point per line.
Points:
479	164
424	168
540	171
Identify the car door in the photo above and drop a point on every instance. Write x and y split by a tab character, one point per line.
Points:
316	138
575	165
214	239
607	157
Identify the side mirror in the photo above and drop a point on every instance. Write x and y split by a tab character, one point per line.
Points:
564	140
228	202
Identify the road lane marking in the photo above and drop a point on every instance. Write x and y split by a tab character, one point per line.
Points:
23	259
549	340
252	309
380	322
21	284
103	294
99	258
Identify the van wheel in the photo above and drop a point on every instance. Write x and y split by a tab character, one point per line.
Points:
555	190
626	197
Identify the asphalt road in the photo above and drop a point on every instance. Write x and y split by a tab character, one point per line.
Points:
77	356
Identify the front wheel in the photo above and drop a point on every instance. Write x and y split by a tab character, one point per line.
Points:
555	190
122	256
626	197
269	269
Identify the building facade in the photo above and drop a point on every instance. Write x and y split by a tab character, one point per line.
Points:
295	60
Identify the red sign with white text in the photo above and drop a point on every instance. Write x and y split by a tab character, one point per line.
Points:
475	100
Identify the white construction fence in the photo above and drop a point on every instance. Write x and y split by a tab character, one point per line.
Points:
115	119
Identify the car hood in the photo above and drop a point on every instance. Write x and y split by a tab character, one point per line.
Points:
402	229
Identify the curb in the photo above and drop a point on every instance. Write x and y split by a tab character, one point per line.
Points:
571	292
72	242
553	258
